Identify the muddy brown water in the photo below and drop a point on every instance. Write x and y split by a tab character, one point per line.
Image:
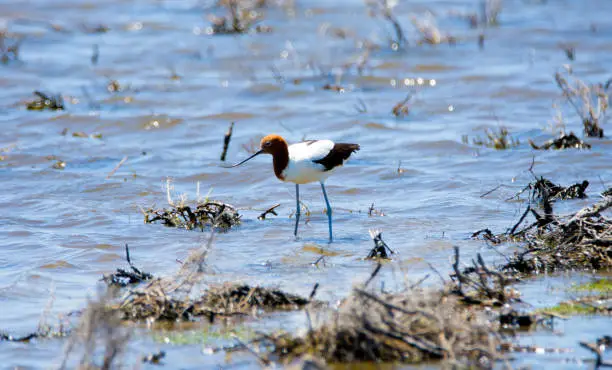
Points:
62	229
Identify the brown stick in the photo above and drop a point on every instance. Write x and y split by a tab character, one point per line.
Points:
267	211
226	141
117	167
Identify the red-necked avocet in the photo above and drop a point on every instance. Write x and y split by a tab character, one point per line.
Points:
305	162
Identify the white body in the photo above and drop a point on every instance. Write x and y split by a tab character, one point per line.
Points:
301	168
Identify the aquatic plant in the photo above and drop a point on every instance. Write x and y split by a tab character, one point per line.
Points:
590	102
499	139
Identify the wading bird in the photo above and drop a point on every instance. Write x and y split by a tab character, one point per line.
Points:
302	163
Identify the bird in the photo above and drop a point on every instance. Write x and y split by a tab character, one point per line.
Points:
303	163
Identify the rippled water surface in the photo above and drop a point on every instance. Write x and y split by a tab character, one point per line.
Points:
62	229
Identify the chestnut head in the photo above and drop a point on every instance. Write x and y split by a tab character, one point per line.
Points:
270	144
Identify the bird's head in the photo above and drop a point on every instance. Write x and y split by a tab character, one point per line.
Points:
270	144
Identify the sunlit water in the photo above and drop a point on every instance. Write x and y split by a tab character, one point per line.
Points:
63	228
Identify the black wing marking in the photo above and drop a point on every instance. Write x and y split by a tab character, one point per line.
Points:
336	157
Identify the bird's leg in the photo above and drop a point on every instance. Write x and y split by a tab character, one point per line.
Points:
297	208
329	211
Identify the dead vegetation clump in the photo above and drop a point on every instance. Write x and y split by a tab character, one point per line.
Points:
206	214
44	330
380	247
46	102
499	139
156	303
230	299
579	241
481	285
590	102
203	214
565	141
175	297
543	189
123	278
242	16
410	326
582	240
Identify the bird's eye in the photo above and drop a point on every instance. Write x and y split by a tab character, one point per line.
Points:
267	144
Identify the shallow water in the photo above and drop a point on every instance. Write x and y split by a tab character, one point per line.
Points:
62	229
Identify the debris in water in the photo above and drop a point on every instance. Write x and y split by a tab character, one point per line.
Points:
46	102
155	303
336	88
154	358
487	234
59	165
544	188
481	285
514	319
566	141
380	247
121	162
205	214
124	278
499	140
93	29
62	332
226	141
271	210
401	109
569	50
579	241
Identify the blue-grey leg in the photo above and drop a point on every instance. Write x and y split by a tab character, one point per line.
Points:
297	208
329	211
